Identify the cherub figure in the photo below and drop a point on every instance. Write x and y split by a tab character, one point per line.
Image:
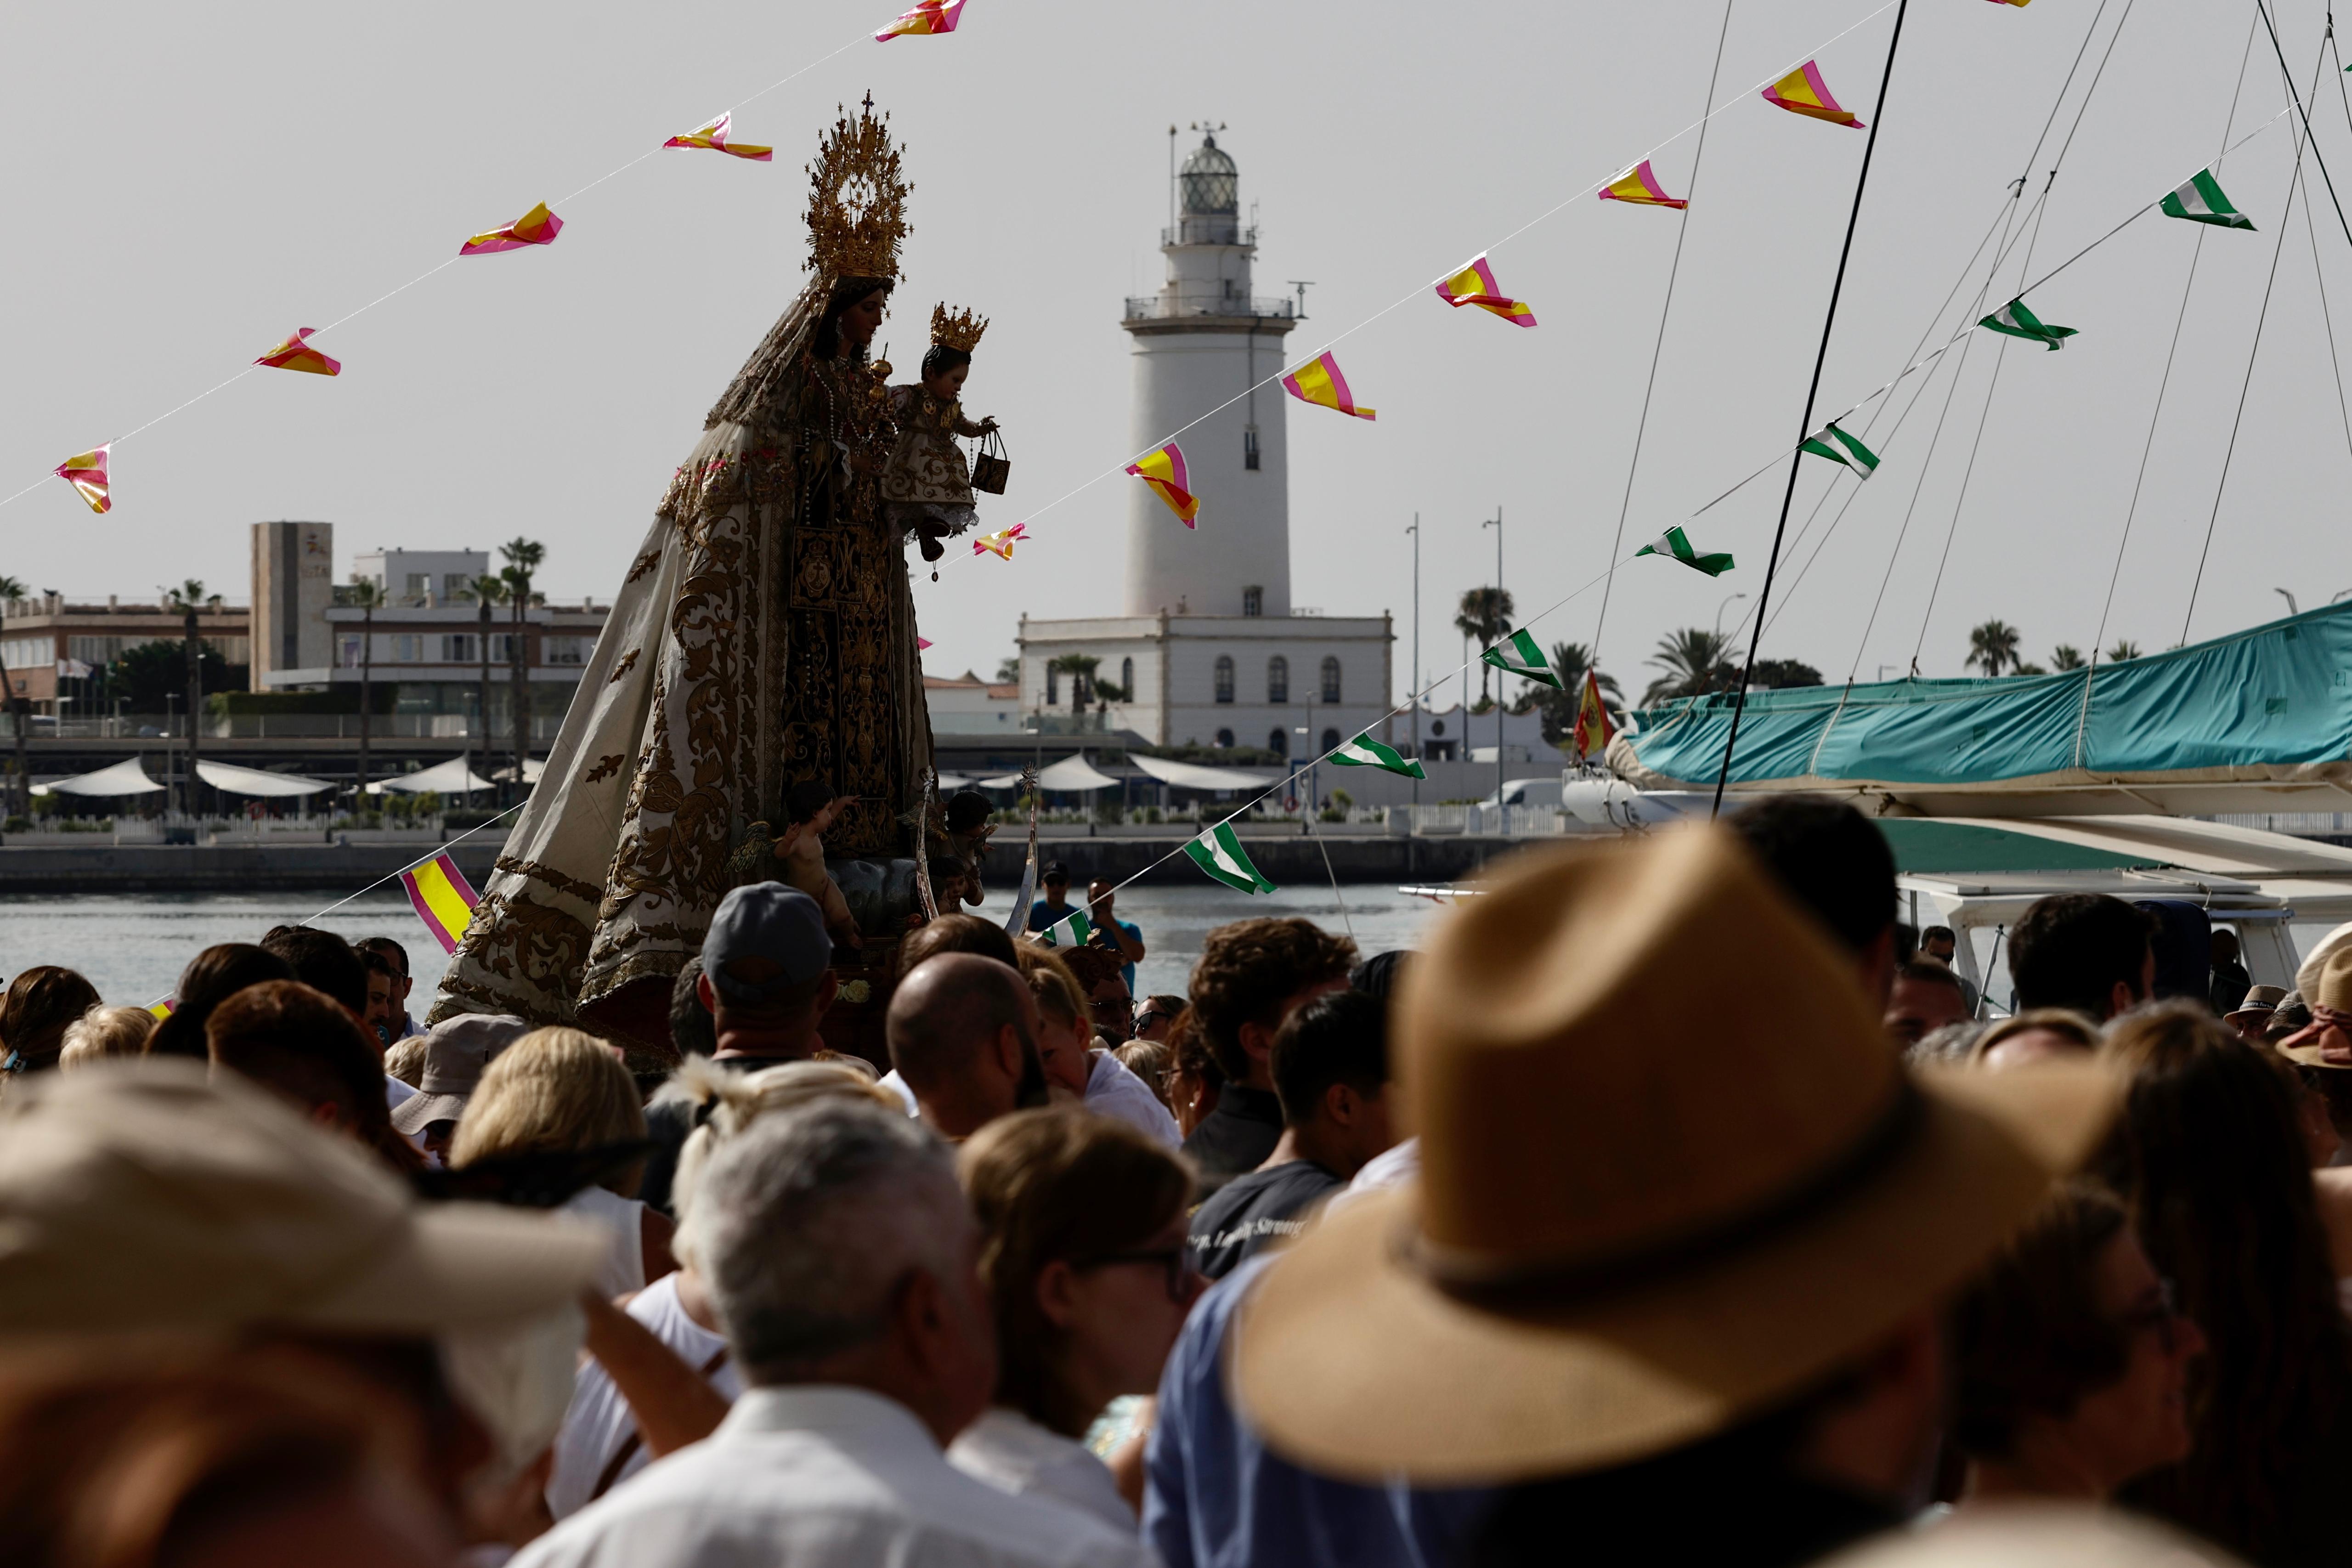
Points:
968	831
810	808
927	488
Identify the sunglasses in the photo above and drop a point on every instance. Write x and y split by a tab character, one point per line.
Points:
1177	1261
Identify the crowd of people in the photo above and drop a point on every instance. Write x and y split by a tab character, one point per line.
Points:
1674	1203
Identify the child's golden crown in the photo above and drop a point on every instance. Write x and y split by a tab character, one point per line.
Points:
960	331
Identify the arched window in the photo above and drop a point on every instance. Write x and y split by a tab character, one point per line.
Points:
1278	741
1330	740
1126	677
1052	687
1224	683
1225	739
1331	680
1278	680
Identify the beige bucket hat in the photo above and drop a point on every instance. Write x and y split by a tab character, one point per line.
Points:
2326	1040
1634	1226
138	1193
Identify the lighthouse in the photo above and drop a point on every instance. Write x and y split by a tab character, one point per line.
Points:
1207	651
1200	348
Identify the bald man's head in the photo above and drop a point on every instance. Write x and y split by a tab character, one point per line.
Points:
963	1034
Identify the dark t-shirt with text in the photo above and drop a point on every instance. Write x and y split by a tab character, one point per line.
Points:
1254	1212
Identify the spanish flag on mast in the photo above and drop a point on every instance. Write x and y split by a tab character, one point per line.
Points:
1592	727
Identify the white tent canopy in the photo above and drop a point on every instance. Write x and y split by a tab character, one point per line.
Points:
125	777
452	777
1192	776
254	782
1075	774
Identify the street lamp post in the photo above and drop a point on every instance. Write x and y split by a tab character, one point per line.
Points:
1501	812
1414	684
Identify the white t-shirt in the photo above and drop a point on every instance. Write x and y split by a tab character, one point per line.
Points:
600	1421
1014	1454
623	1269
1113	1090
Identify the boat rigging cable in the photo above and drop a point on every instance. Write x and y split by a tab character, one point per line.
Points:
1812	393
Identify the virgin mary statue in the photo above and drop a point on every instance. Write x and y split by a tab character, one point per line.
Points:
764	636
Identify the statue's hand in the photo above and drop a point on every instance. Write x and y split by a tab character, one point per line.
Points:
988	426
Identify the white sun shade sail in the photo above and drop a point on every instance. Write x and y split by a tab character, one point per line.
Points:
125	777
452	777
1192	776
255	781
1075	774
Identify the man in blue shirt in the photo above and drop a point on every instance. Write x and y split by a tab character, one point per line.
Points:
1111	933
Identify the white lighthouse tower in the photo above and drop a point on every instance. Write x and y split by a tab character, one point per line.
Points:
1199	342
1208	650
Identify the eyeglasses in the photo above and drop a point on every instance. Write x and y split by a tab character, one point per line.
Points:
1176	1260
2162	1316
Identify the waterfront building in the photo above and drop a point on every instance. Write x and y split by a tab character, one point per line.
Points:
55	647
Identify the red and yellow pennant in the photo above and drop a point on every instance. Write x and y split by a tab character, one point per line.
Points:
1802	91
295	353
1000	544
165	1008
1164	471
1475	285
1639	186
442	899
1321	384
85	471
713	135
928	19
537	226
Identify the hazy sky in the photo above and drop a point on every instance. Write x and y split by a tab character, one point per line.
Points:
188	184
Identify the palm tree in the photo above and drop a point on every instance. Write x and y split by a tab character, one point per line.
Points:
1992	648
367	596
523	557
1486	616
187	599
2124	648
12	590
1081	668
1694	661
2065	656
488	590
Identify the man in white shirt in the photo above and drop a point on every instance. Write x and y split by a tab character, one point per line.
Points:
841	1262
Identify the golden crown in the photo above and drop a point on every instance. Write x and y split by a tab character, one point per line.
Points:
960	331
857	200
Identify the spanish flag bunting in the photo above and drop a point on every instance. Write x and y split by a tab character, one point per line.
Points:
537	226
1164	471
295	354
2020	4
1802	91
1321	384
442	899
921	643
1592	726
1000	544
85	471
165	1008
927	20
1475	285
713	135
1640	186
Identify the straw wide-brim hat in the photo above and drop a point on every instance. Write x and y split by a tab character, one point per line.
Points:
2327	986
1672	1173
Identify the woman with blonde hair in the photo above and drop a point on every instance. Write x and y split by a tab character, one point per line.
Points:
1098	1079
601	1443
562	1091
105	1032
1085	1259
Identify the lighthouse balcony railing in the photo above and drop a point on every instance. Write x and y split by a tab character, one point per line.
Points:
1160	307
1212	231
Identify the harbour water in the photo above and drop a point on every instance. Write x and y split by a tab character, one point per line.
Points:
132	945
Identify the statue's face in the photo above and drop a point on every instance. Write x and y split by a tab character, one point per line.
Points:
859	321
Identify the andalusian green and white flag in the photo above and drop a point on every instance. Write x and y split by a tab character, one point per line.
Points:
1219	853
2202	201
2020	323
1072	930
1840	447
1677	544
1363	751
1520	654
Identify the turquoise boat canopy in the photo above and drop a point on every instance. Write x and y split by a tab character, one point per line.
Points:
2265	711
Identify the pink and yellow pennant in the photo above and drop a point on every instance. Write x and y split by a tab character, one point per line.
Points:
1000	544
927	20
1321	384
295	354
921	643
1640	186
442	899
714	136
85	471
1164	471
537	226
1475	285
1802	91
165	1008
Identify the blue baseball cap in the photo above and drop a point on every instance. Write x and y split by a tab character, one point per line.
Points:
765	939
